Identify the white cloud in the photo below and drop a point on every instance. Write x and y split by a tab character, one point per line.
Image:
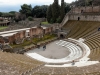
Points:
19	2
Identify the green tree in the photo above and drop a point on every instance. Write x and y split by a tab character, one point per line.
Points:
62	11
44	10
49	13
55	11
26	9
39	11
67	7
0	14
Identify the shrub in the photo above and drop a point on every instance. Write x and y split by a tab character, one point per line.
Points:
30	18
44	23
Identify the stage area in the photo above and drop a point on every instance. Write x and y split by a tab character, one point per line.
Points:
52	51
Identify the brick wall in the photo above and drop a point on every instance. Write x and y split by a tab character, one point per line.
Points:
86	9
85	17
36	31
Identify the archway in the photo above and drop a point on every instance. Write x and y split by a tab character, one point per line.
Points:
78	18
62	36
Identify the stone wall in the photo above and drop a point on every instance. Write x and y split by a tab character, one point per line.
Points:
55	26
85	17
22	34
11	39
88	13
87	9
48	30
1	41
66	18
32	32
18	36
37	32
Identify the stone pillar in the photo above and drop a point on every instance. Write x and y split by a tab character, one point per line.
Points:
92	8
6	24
99	8
85	8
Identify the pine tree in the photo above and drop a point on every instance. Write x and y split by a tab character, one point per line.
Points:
55	11
49	13
62	12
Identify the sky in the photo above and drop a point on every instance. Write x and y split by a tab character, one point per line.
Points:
14	5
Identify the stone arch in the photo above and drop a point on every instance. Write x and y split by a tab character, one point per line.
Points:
62	36
78	18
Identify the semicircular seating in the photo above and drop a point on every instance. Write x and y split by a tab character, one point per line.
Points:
75	50
87	30
94	43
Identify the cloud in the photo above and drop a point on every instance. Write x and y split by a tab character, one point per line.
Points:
9	5
19	2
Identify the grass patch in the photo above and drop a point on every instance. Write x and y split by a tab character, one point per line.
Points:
34	40
46	37
44	23
1	28
25	43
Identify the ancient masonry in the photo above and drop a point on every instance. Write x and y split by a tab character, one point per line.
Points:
89	13
17	36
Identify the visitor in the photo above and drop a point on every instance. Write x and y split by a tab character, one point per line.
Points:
44	47
98	29
73	62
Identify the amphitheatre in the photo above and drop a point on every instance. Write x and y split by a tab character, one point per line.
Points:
75	50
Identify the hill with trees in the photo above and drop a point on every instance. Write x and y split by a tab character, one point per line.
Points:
54	12
86	3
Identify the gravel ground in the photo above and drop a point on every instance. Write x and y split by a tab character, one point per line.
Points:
53	51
